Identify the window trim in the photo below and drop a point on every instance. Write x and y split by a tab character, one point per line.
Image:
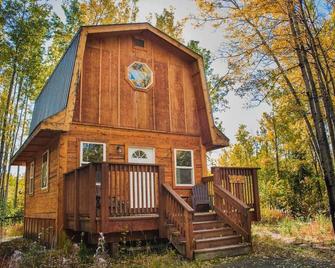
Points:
129	155
176	167
139	89
139	39
47	178
138	47
91	142
31	178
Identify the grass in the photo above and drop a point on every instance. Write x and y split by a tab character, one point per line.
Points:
13	230
274	245
316	230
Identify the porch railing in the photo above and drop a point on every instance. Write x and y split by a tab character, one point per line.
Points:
240	182
180	214
233	211
98	192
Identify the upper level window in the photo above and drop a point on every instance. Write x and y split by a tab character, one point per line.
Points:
92	152
138	42
184	167
31	177
45	170
140	75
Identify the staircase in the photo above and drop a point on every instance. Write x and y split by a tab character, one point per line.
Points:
225	232
212	238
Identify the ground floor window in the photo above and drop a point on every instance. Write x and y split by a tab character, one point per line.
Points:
31	178
91	152
184	167
45	170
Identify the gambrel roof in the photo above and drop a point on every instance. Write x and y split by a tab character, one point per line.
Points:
53	98
53	110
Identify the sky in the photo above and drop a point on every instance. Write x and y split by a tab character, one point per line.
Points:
211	39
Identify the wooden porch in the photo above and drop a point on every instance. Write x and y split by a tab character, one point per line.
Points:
115	198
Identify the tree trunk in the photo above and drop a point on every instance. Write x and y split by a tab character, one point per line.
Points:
276	145
311	91
4	130
24	108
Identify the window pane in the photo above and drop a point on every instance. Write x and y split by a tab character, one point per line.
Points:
184	176
93	152
45	157
31	170
44	174
184	158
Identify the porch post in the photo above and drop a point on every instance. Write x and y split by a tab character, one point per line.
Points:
162	203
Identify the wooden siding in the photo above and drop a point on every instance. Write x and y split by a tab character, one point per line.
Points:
43	202
163	143
106	97
40	229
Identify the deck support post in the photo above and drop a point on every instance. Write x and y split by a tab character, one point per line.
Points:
115	248
256	195
92	197
76	202
188	225
105	202
162	204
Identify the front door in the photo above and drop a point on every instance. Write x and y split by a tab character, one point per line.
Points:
141	183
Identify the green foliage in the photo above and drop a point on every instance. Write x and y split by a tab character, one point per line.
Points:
167	23
218	86
34	257
289	180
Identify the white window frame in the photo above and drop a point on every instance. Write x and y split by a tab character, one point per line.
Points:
184	167
31	178
91	142
130	152
47	178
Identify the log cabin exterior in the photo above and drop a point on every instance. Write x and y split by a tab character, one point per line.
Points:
118	138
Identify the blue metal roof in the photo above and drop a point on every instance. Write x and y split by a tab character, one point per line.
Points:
53	97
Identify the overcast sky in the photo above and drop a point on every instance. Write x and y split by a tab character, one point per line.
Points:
210	39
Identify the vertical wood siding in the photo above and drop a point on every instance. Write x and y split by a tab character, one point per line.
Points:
106	97
43	202
164	144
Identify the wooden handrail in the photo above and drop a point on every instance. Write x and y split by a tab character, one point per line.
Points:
233	211
242	182
229	195
181	201
180	214
207	179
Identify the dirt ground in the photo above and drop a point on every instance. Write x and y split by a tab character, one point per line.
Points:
270	249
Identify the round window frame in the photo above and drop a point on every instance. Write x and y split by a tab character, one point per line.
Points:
132	84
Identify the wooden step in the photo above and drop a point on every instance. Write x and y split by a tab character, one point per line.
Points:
213	242
216	232
201	225
204	216
224	251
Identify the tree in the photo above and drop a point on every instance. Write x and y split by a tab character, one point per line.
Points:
284	46
86	12
166	22
24	28
218	86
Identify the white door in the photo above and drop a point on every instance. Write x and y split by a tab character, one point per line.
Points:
141	184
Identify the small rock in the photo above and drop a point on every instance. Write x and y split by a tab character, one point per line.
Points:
15	259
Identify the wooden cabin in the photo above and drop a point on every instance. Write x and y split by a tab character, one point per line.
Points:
118	140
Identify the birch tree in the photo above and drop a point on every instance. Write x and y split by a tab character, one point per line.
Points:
284	45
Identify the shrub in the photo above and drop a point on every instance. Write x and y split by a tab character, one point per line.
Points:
270	215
